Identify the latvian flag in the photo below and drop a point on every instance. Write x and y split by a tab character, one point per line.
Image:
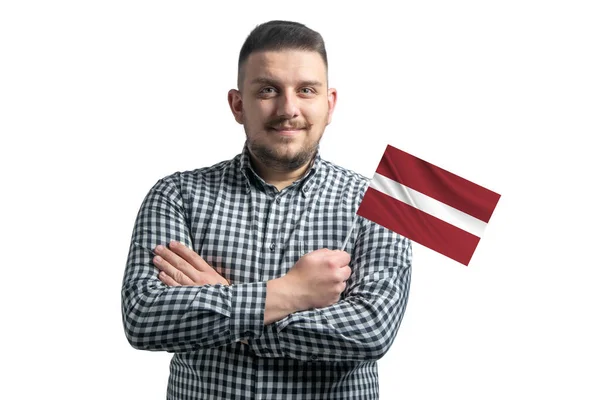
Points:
428	204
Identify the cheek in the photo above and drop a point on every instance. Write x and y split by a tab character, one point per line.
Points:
317	115
251	115
260	112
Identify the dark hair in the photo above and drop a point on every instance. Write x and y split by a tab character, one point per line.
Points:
280	35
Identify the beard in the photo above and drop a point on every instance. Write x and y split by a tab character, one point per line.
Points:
273	152
280	159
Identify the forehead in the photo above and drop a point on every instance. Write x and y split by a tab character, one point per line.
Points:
285	65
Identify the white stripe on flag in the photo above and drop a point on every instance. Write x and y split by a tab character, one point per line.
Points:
428	205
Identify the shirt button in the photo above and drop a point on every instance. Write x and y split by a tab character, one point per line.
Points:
272	247
278	200
314	357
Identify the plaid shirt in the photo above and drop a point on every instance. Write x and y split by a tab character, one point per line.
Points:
250	233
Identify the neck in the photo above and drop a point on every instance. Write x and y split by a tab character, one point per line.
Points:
278	177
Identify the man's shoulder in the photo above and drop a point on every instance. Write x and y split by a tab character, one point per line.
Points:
341	175
207	175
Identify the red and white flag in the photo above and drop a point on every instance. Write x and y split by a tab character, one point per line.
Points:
428	204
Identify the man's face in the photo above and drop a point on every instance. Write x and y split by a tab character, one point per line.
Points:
284	104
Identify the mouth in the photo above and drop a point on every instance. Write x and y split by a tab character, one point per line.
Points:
286	131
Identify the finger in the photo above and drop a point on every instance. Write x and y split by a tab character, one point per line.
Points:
338	258
177	262
171	271
189	255
345	272
167	280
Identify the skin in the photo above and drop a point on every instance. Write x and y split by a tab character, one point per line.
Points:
284	104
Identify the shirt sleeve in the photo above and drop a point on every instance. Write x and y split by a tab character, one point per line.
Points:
364	323
183	318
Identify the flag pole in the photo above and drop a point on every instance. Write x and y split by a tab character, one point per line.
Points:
349	233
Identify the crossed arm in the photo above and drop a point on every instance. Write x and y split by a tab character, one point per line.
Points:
300	315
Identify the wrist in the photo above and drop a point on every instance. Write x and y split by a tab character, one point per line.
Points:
280	301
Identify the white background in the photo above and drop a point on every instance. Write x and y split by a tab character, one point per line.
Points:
98	100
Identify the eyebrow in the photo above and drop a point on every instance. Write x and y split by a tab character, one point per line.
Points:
273	82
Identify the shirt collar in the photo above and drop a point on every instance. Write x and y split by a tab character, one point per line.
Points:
305	183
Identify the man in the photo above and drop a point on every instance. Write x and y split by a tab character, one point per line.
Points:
254	296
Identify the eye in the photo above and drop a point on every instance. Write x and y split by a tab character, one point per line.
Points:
307	90
267	90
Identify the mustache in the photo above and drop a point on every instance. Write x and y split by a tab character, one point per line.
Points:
287	124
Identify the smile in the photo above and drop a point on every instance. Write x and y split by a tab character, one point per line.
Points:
287	131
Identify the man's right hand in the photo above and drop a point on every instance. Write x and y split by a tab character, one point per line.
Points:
316	280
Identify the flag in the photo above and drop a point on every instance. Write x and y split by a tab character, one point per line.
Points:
427	204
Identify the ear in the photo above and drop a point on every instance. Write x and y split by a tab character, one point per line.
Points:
331	102
234	97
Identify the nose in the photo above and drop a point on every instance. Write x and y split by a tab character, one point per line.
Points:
287	106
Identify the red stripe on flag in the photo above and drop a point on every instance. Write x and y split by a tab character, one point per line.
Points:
438	183
419	226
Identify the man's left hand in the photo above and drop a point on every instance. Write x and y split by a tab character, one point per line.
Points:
181	266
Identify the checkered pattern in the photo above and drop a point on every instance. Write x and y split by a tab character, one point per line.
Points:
250	233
